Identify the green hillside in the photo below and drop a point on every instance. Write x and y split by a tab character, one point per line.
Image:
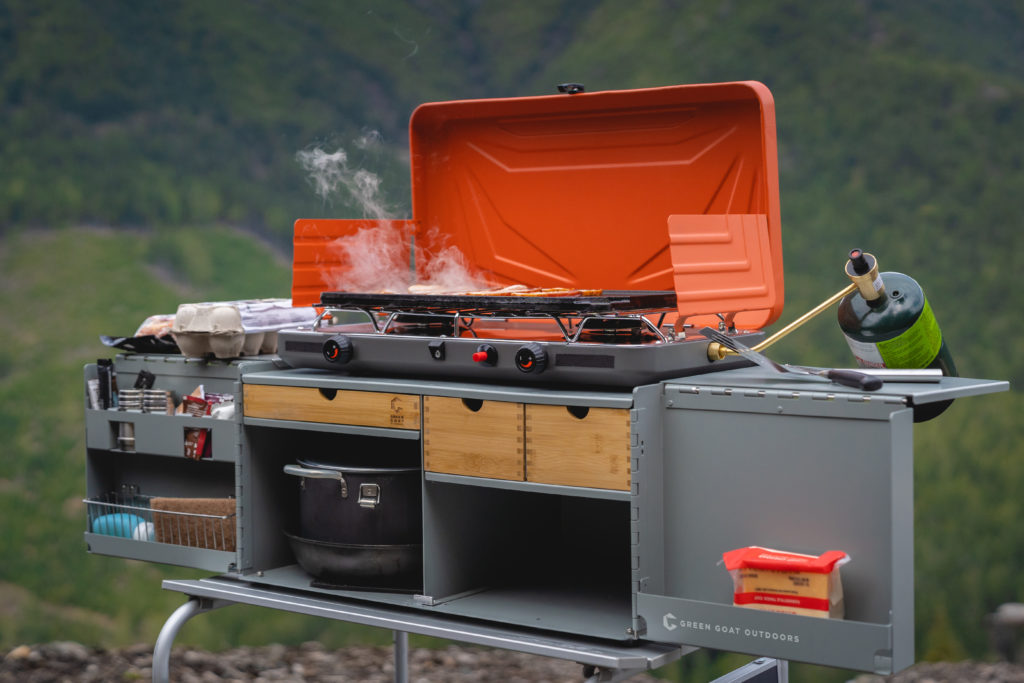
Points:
172	130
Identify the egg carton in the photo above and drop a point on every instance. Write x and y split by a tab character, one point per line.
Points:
229	329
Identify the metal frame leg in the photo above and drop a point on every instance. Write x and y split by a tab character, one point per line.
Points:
162	651
401	657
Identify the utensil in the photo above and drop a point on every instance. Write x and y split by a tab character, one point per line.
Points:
850	378
916	375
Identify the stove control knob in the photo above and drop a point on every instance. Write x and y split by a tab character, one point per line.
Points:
531	357
338	349
486	354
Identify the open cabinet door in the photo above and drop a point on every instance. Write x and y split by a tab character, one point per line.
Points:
783	469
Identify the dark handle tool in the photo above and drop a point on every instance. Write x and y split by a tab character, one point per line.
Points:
850	378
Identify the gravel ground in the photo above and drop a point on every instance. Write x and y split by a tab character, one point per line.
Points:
66	662
75	663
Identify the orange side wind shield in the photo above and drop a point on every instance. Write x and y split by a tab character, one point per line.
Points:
671	188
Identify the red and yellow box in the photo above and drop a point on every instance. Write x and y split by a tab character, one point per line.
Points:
791	583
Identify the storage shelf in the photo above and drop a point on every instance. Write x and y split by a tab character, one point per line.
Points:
529	486
163	553
383	432
831	642
157	434
293	577
600	613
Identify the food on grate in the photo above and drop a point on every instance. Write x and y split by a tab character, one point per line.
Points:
520	290
510	290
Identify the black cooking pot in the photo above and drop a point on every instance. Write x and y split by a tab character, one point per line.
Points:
359	504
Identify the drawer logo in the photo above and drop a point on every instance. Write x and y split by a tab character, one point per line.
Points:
397	416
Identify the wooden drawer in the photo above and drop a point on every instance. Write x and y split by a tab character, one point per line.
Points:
578	446
473	438
308	404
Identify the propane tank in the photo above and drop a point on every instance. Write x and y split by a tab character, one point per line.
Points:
888	323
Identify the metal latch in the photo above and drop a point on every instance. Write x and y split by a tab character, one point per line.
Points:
369	495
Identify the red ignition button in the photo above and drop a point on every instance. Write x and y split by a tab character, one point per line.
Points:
486	354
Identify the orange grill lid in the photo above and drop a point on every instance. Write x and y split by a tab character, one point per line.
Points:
661	188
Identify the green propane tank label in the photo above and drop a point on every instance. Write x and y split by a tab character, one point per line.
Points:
915	348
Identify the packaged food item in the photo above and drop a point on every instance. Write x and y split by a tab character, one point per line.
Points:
197	442
792	583
222	406
156	325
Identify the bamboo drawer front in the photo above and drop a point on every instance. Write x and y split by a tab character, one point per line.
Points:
590	450
473	438
308	404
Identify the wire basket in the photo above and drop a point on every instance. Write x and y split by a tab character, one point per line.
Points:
190	522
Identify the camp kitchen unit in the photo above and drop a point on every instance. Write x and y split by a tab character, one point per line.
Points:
559	476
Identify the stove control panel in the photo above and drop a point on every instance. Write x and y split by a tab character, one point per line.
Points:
338	349
531	357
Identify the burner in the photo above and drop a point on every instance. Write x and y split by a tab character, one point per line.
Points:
423	325
617	331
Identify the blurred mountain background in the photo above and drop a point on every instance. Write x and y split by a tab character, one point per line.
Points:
148	157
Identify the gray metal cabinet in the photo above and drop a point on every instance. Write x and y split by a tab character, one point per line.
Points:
517	552
715	462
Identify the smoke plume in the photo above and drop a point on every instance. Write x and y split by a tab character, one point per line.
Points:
380	259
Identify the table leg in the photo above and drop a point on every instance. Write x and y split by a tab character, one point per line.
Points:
401	657
162	651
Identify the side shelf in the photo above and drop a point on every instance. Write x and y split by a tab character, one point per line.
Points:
157	434
163	553
145	500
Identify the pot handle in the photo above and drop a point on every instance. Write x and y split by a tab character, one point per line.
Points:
318	474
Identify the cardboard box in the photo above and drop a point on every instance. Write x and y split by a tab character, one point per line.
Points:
791	583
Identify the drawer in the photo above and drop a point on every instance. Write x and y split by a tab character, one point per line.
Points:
473	438
572	446
309	404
